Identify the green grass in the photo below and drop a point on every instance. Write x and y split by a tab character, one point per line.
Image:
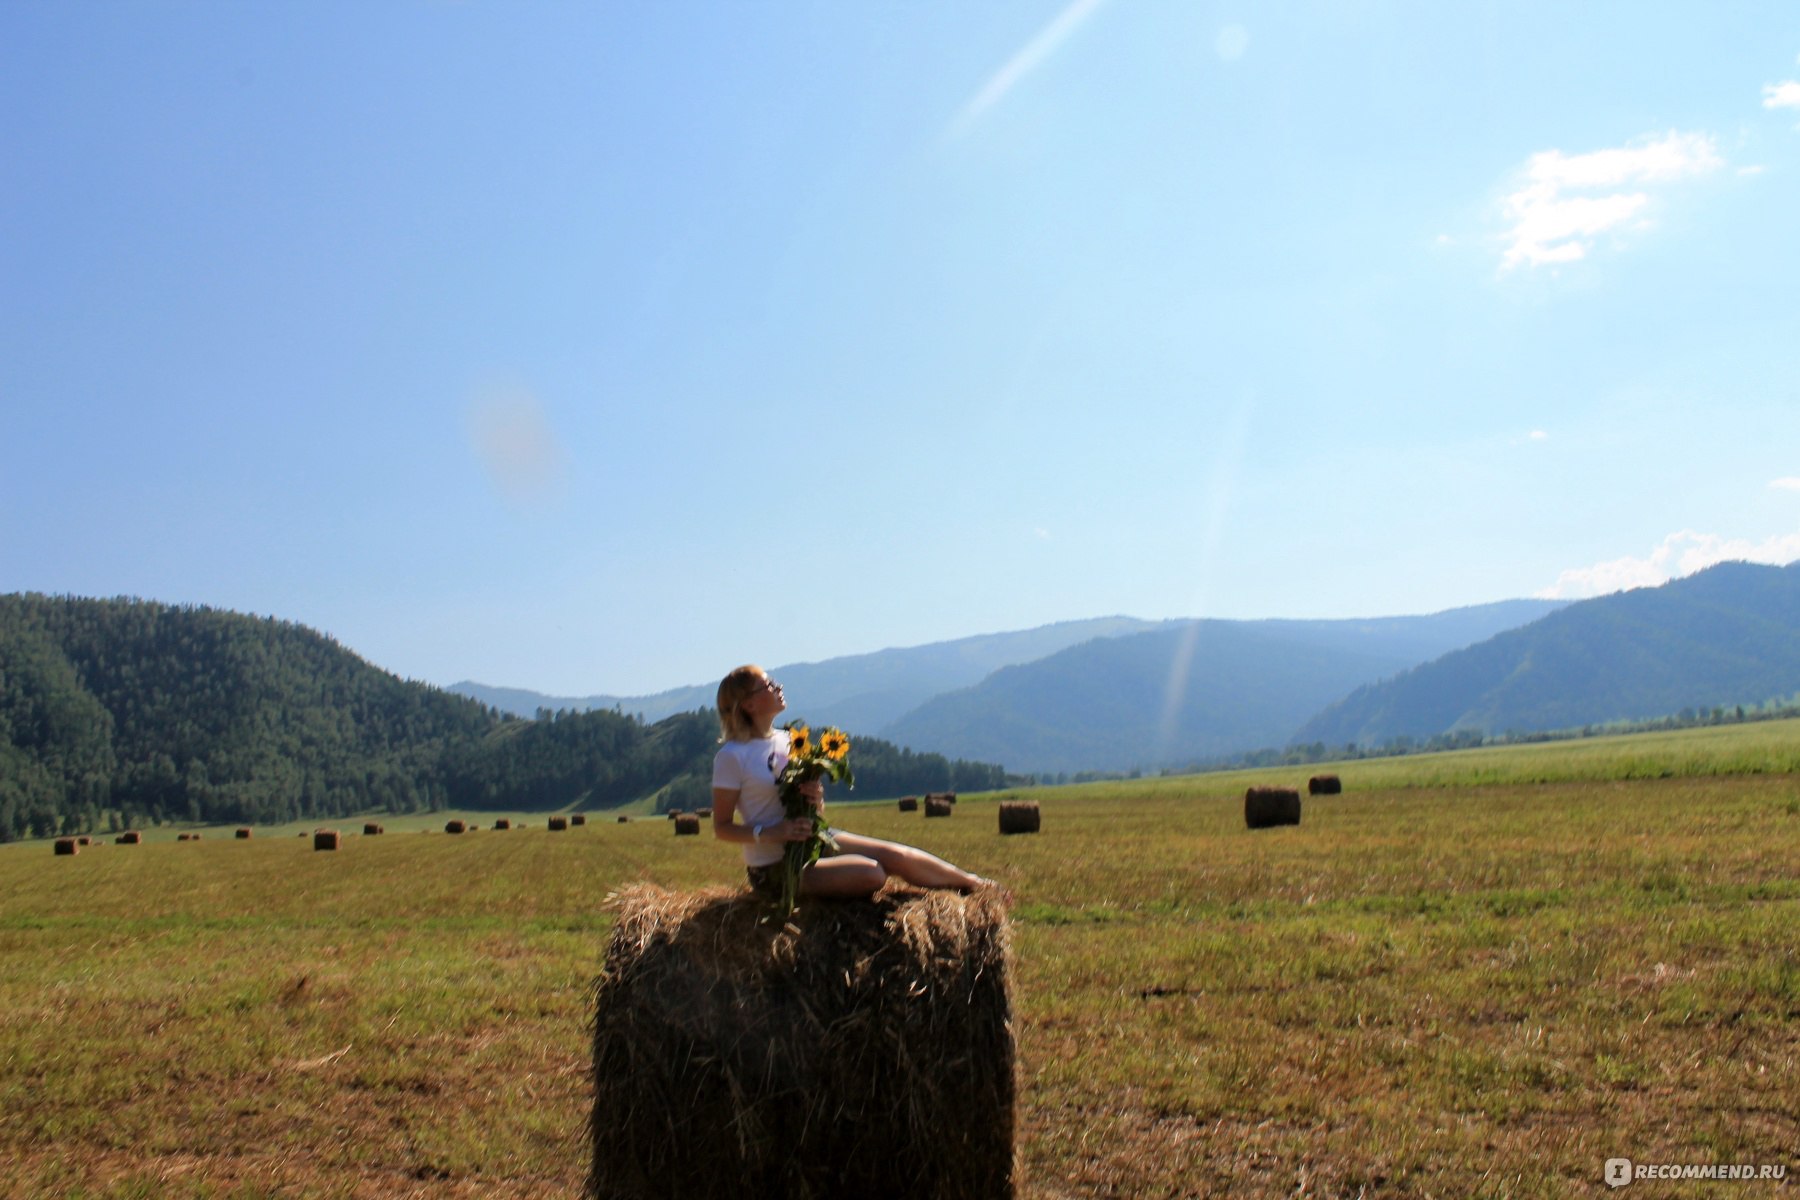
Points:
1474	974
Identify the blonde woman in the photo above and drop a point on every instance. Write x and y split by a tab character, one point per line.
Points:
747	807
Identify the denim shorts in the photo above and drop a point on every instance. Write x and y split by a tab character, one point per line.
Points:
767	880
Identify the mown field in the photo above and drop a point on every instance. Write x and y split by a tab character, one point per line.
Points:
1476	974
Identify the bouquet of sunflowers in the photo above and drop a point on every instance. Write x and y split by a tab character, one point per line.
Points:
826	756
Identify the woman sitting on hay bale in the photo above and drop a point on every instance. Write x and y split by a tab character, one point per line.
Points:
745	774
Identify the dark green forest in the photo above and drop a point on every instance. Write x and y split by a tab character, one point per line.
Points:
123	713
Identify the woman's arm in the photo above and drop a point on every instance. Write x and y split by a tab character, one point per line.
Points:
727	829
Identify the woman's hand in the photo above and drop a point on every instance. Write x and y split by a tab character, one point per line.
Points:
814	791
797	829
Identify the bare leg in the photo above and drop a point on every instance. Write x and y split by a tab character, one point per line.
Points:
908	862
843	877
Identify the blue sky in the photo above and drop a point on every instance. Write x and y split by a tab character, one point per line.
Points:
601	347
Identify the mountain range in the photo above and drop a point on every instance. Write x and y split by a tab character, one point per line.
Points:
1120	693
122	710
1099	694
1197	690
861	692
1726	636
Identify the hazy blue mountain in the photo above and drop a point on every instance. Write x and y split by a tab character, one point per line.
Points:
1725	636
860	692
1192	690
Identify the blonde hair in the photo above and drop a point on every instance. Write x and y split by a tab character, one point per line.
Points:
734	689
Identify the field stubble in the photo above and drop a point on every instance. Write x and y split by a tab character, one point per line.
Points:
1425	989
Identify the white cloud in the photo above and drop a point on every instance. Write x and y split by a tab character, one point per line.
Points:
1787	483
1538	435
1566	200
1679	555
1027	60
1782	95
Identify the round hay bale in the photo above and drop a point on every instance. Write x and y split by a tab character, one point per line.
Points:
687	825
947	797
1268	806
909	804
578	819
84	840
131	837
243	835
454	826
675	812
503	823
937	806
1324	785
862	1049
1019	816
67	846
370	829
558	824
624	820
325	839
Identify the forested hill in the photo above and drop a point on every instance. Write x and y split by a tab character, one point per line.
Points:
127	712
1723	637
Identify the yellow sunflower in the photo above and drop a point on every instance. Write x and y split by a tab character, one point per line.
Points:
834	744
798	737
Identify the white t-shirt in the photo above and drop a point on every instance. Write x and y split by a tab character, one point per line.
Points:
751	768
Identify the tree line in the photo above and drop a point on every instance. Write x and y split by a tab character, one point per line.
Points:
123	712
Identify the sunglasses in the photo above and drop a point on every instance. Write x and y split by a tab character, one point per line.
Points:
767	685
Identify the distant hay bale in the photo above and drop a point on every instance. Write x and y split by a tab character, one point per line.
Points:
370	829
67	846
1019	816
687	825
909	804
243	834
84	840
131	837
947	797
578	819
1324	785
454	827
864	1048
559	823
503	823
676	812
1268	806
624	820
325	839
937	806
